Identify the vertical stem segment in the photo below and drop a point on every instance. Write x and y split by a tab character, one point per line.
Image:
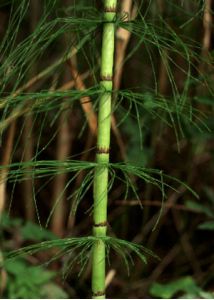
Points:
102	157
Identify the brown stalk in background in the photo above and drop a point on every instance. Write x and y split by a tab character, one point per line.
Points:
6	159
206	44
27	136
122	40
207	23
63	148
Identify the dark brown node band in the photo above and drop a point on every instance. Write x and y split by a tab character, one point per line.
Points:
110	9
102	224
107	78
99	293
102	151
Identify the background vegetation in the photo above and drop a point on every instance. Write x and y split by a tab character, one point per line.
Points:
162	119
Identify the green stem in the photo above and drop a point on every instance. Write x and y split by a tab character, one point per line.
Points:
102	157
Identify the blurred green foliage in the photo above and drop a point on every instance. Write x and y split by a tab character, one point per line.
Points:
23	279
185	287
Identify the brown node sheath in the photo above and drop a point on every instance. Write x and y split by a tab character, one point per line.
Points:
99	293
101	150
110	9
101	224
106	78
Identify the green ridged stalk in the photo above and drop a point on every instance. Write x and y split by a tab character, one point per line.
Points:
102	157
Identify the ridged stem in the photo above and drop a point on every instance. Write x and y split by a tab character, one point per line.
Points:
102	156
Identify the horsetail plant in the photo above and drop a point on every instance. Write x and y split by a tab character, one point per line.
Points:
103	145
102	173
